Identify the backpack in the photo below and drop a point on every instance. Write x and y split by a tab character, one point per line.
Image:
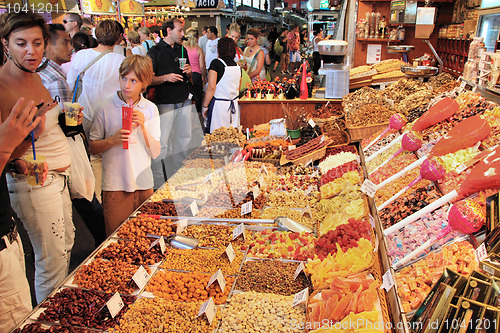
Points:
278	48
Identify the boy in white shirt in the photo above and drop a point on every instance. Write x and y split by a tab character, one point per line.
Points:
127	179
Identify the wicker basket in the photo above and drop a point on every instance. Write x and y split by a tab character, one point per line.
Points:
359	133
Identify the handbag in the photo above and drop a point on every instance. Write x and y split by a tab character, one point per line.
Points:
81	178
77	90
245	79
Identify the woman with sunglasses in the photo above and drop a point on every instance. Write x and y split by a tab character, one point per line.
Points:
45	210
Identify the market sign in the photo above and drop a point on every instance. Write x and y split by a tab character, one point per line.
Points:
206	3
130	7
98	7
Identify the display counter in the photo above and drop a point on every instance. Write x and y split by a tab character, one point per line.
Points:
260	111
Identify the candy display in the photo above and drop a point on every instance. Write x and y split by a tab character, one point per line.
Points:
201	260
285	183
333	161
339	171
282	245
303	216
347	182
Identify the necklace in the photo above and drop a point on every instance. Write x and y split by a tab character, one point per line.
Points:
123	99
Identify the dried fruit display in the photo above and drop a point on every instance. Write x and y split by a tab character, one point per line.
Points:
39	328
137	252
274	244
369	114
399	90
211	235
142	226
227	134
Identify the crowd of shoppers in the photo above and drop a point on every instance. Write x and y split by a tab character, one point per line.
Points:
165	78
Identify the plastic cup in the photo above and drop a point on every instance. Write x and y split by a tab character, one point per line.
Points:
35	169
182	62
71	110
127	113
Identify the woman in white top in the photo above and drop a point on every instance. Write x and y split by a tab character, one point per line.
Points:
235	34
254	56
45	209
135	44
318	37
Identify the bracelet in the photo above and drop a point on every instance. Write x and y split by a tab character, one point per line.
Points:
12	165
205	107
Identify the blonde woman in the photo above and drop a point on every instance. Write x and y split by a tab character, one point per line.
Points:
197	61
235	34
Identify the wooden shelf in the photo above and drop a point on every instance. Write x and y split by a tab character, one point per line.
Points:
363	41
462	54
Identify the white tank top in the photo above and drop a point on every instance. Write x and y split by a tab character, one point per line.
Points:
315	45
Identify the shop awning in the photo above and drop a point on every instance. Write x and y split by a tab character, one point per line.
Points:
98	7
160	3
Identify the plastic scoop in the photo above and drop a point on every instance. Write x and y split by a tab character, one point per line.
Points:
411	141
440	111
463	135
483	176
396	122
431	169
465	216
180	241
290	225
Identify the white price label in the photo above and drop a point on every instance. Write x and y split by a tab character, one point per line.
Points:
263	169
292	147
262	181
372	220
298	270
300	297
481	252
369	188
246	208
208	178
159	241
226	160
140	277
474	89
358	159
181	226
315	174
239	230
322	139
388	281
377	242
463	84
255	191
488	269
382	86
219	277
194	208
208	308
308	190
115	304
308	162
312	123
229	252
461	168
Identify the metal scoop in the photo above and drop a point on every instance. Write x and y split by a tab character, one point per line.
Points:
290	225
180	241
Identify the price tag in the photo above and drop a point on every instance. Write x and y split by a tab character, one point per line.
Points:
312	123
181	226
300	297
474	89
248	134
239	230
315	174
488	269
219	277
481	252
298	270
372	221
322	139
388	281
226	160
308	190
141	277
369	188
208	178
263	169
463	84
246	208
382	86
461	168
262	181
308	162
208	308
115	304
160	241
377	242
219	171
255	191
358	159
292	147
194	208
476	146
229	252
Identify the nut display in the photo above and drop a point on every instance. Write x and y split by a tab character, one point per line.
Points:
369	114
137	252
162	208
142	226
226	134
82	308
293	199
326	111
201	260
365	95
400	89
215	235
266	313
188	287
298	170
162	315
414	105
107	276
38	328
236	214
270	276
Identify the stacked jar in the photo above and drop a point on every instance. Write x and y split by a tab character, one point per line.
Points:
476	48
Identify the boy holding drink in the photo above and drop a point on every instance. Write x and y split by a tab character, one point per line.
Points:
127	179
